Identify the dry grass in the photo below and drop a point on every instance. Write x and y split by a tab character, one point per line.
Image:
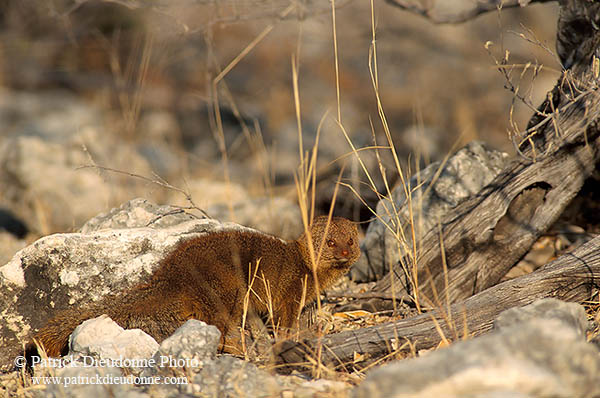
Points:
593	311
377	179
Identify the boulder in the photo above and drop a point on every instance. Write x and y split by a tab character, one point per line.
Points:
435	191
45	141
231	202
44	184
137	213
232	377
571	314
276	216
64	270
536	351
130	362
191	345
103	338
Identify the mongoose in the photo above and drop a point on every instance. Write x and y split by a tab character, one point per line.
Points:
208	278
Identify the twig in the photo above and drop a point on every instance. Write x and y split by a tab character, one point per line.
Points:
438	12
380	295
158	181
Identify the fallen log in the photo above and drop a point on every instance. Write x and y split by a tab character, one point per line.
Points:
572	277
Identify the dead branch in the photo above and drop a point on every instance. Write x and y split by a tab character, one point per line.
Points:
369	295
455	11
158	180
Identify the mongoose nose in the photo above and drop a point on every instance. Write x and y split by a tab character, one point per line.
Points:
345	252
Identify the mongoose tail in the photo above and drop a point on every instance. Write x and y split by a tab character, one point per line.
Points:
54	337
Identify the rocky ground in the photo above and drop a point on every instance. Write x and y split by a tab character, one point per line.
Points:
538	350
105	102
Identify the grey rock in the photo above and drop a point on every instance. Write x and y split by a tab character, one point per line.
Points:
137	213
231	202
45	185
571	314
542	356
207	192
51	115
191	350
43	188
190	346
434	194
231	377
321	388
103	338
62	270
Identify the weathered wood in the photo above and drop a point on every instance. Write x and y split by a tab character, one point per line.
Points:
496	228
489	233
572	277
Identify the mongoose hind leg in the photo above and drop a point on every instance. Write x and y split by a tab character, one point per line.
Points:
241	344
205	305
260	343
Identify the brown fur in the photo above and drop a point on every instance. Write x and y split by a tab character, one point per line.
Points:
207	278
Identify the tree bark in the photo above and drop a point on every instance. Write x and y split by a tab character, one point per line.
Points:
572	277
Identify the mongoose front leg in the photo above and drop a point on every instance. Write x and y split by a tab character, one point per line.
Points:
287	324
232	343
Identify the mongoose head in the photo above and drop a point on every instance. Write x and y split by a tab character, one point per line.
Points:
340	243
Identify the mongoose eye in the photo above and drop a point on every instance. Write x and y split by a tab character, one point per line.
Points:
330	243
350	242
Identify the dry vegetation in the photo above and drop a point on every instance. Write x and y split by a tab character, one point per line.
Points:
364	93
227	77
